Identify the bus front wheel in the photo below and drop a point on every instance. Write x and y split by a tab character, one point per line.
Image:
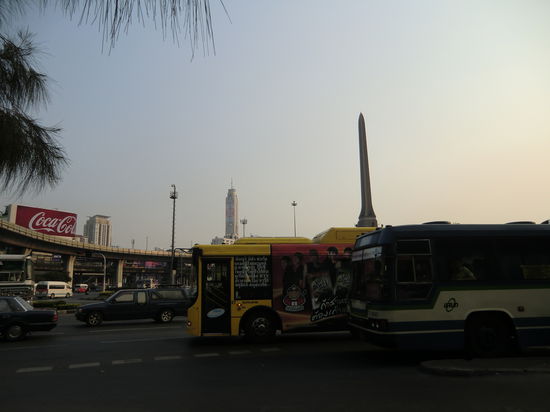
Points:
260	327
489	336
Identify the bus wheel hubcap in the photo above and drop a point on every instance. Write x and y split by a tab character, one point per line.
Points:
260	326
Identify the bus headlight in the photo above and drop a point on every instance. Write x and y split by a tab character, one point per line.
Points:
379	324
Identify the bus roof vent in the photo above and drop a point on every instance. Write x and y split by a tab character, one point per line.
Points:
521	222
437	222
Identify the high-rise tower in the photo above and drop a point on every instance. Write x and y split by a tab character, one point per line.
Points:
232	214
98	230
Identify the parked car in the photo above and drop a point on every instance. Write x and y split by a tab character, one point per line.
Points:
159	304
18	317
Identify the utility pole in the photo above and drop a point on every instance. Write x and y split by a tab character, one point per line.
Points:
244	222
173	196
294	207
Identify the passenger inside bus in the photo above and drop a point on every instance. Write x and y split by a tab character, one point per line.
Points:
459	271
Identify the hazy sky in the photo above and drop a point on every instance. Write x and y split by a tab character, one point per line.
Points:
456	96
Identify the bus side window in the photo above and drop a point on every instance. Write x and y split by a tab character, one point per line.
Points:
535	260
405	270
464	260
414	277
460	270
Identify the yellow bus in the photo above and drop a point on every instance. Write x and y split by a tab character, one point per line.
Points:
259	286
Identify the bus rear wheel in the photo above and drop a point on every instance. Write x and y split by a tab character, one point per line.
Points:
260	327
490	336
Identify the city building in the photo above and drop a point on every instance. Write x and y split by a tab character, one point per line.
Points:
231	219
232	214
98	230
222	241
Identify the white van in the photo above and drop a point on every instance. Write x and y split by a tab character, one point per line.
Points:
53	289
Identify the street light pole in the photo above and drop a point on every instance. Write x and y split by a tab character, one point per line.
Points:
294	208
244	222
173	196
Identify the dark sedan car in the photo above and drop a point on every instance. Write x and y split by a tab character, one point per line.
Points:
160	304
18	317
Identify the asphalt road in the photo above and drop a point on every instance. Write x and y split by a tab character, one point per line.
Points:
144	366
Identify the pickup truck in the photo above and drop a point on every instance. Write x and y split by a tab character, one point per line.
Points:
159	304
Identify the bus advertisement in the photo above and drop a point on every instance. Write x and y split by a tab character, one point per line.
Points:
259	286
311	284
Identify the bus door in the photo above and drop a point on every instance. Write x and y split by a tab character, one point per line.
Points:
216	310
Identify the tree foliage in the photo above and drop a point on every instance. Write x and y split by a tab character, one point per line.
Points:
30	156
192	18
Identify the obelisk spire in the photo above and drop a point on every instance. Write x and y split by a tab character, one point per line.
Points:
367	217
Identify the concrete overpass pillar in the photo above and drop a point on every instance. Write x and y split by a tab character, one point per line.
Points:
119	272
68	261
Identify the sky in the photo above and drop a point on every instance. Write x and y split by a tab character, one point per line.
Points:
456	97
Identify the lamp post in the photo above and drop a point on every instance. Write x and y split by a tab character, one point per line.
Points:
294	208
173	196
244	222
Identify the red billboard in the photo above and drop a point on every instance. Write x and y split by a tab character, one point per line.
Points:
47	221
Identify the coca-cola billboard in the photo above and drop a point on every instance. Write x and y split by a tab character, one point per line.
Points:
47	221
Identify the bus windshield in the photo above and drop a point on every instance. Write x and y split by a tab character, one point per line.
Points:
370	277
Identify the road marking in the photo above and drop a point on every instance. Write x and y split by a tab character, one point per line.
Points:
126	361
163	358
206	355
84	365
239	352
270	349
144	328
37	369
140	340
31	347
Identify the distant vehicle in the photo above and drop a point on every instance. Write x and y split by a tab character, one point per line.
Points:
18	317
146	284
158	304
16	276
483	288
53	289
80	288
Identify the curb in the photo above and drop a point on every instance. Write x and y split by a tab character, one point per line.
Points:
442	368
65	312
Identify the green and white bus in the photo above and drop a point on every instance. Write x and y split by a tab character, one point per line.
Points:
483	288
